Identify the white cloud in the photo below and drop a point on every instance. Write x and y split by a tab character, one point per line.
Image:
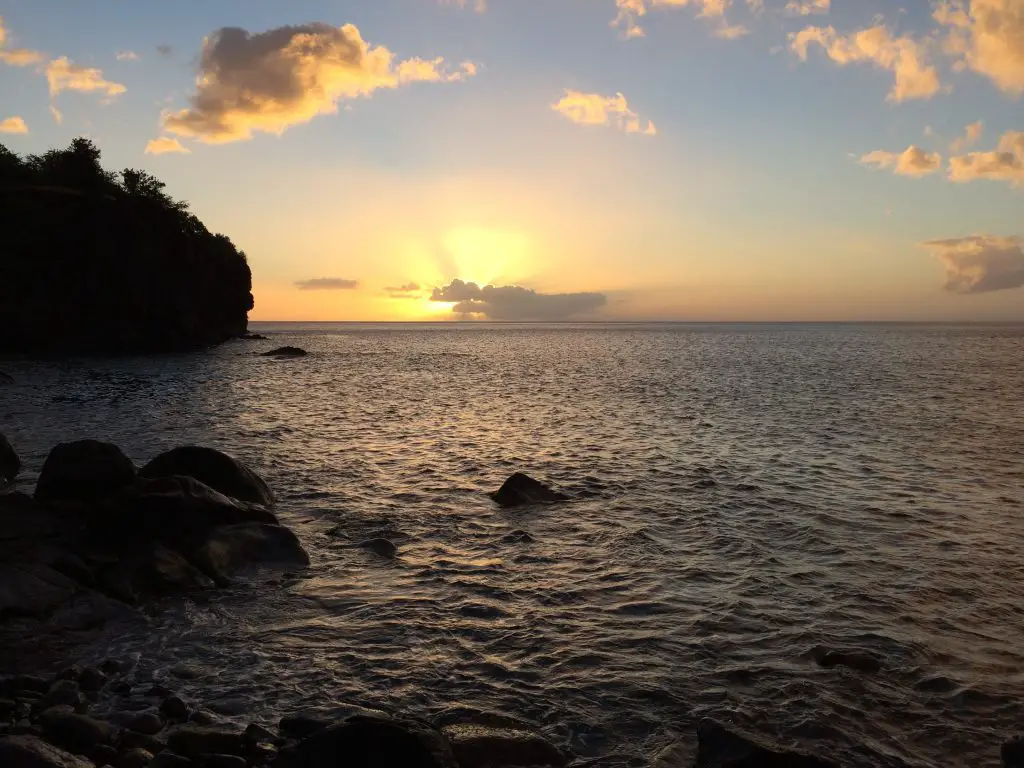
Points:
808	7
273	80
1004	163
13	125
164	145
913	161
127	56
987	36
595	109
906	59
980	263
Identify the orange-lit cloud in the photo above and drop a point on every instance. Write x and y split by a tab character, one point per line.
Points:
913	161
629	11
1005	163
407	291
64	75
13	125
273	80
980	263
164	145
808	7
972	134
513	302
987	36
595	109
327	284
905	58
16	57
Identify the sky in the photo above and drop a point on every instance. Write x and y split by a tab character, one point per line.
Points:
704	160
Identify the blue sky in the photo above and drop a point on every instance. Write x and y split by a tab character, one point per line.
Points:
754	200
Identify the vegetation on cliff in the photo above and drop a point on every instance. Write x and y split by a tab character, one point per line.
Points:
104	262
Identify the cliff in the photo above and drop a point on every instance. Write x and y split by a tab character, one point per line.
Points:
97	262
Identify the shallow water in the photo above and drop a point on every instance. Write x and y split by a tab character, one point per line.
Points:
746	494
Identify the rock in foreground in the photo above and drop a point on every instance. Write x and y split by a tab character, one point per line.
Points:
10	464
720	746
211	467
286	352
478	746
522	489
364	741
32	752
84	471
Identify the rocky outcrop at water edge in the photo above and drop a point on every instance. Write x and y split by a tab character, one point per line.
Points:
521	489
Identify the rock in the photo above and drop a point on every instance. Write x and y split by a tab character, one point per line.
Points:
173	708
63	692
477	746
192	741
719	746
75	733
70	673
170	760
228	548
32	752
6	378
7	708
382	547
135	758
91	680
159	571
104	754
84	471
31	589
861	661
518	537
10	463
221	761
252	336
286	352
373	741
255	733
300	726
110	667
148	723
202	717
24	683
217	470
159	691
135	740
1013	753
522	489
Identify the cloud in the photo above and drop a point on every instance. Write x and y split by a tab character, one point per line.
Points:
980	263
972	134
407	291
595	109
273	80
987	36
164	145
629	11
480	6
165	50
127	56
907	60
731	31
513	302
326	284
913	161
808	7
13	125
1005	163
16	57
63	75
58	118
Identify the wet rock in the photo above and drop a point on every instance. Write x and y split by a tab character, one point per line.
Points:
32	752
213	468
229	548
6	378
148	723
221	761
477	746
159	691
192	741
83	471
522	489
10	463
75	733
63	692
1012	753
382	547
70	673
8	707
374	740
861	661
104	754
286	352
33	589
154	572
518	537
134	758
255	733
202	717
136	740
110	667
300	726
173	708
20	684
170	760
719	746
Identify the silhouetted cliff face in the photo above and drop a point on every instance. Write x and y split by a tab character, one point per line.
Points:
93	262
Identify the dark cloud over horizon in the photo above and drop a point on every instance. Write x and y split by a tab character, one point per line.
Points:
980	263
407	291
513	302
326	284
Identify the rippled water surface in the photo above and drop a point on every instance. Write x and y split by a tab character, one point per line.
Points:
745	496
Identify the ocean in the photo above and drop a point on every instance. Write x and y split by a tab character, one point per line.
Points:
746	498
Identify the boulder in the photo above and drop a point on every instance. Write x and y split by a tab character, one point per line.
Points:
1012	753
104	754
861	661
136	740
173	708
33	589
83	471
148	723
221	761
217	470
478	746
6	378
300	726
380	546
32	752
170	760
720	746
91	679
193	741
522	489
286	352
364	741
231	547
75	733
10	463
63	693
135	758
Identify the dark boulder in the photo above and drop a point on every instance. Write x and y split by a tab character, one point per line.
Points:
104	754
153	572
231	547
219	471
1013	753
33	752
33	589
478	746
286	352
221	761
522	489
6	378
861	661
300	726
84	471
380	546
135	758
173	708
148	723
193	741
365	741
170	760
721	746
10	463
75	733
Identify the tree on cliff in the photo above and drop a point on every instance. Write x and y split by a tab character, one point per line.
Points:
95	261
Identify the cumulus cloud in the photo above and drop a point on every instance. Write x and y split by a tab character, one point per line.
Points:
512	302
905	58
127	56
913	161
629	11
407	291
980	263
326	284
13	125
987	36
270	81
165	144
16	57
731	31
63	75
808	7
972	134
1004	163
595	109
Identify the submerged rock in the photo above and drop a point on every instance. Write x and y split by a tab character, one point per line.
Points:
32	752
83	471
286	352
861	661
193	741
380	546
364	741
477	746
1012	753
522	489
213	468
721	746
300	726
234	546
10	463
